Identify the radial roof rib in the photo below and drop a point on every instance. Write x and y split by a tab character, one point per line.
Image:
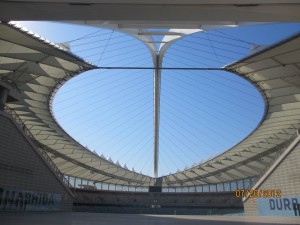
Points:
275	72
38	68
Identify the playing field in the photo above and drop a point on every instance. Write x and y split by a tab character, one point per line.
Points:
16	218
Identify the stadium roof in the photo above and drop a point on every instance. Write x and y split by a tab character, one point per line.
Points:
38	68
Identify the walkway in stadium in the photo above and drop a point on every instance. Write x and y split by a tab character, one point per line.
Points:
16	218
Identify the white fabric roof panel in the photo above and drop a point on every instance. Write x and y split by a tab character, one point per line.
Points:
274	71
38	67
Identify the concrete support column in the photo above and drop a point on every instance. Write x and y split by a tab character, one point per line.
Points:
3	97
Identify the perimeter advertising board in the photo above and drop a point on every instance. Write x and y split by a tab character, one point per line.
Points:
17	200
284	206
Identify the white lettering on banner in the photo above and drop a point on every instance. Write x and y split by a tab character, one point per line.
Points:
288	206
16	200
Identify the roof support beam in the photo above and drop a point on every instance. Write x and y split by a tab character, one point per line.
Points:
155	14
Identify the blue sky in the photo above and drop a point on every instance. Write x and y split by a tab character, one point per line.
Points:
203	113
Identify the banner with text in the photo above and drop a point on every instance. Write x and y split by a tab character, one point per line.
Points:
285	206
16	200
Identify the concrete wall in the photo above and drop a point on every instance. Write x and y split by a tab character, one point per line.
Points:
24	172
285	177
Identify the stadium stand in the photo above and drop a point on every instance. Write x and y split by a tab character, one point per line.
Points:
157	203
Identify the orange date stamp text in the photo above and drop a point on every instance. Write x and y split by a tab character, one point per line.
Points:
258	193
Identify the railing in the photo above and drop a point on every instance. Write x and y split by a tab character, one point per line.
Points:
38	146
